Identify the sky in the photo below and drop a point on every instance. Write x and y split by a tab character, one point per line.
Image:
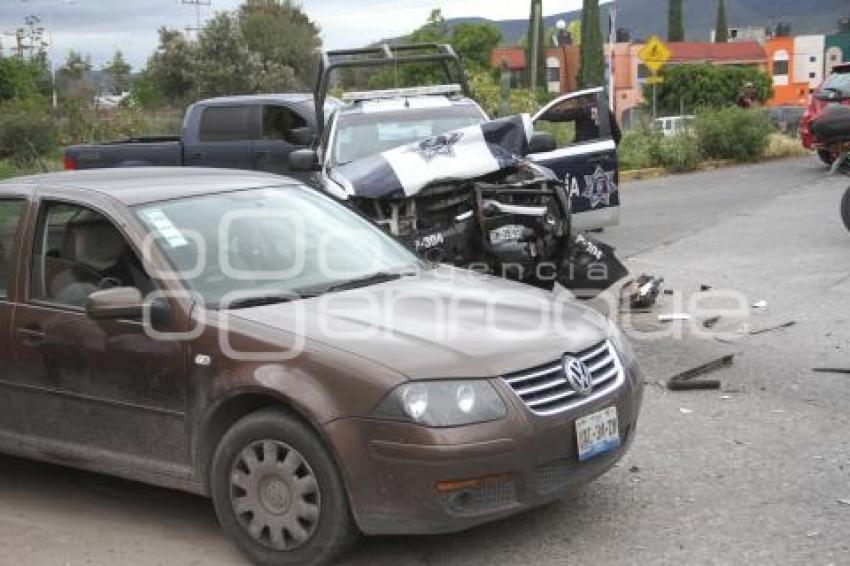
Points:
99	27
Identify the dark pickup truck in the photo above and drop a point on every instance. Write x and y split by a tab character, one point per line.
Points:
240	132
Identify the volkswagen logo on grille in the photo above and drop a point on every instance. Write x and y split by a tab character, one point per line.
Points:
578	376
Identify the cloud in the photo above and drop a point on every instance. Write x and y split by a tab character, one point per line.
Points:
99	27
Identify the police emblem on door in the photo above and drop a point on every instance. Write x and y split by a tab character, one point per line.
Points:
578	376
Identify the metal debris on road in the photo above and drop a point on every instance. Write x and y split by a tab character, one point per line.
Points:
710	322
705	288
832	370
844	501
772	328
685	381
642	293
760	305
634	469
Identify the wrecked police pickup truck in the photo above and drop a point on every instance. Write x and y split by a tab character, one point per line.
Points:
429	165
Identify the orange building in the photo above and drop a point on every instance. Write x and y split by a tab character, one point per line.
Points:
796	65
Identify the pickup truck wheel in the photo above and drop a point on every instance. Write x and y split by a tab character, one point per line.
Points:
826	156
845	208
278	494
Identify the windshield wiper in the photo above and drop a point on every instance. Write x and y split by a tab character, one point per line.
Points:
366	281
265	300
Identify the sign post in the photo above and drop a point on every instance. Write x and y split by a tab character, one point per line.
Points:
655	55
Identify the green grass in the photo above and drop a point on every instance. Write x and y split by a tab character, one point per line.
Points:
10	169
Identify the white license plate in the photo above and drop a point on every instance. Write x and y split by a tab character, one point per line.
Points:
506	233
597	433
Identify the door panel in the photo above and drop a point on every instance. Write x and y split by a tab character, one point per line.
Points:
586	158
105	386
281	129
225	138
11	213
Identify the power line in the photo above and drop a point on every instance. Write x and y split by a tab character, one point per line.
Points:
198	4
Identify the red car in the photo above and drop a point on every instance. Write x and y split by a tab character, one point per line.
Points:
837	83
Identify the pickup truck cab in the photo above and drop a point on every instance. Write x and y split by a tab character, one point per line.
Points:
239	132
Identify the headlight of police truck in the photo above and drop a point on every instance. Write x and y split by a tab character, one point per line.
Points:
443	403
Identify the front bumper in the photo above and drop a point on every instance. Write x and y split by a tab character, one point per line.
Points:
486	472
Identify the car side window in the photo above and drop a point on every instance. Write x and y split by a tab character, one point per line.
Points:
575	120
79	252
10	217
279	123
226	123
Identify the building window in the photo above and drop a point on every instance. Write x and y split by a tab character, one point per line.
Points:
813	59
780	68
812	75
553	75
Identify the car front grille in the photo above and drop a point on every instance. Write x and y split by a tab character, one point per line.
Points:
546	391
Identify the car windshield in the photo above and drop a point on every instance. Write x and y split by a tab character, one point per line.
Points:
258	244
839	82
369	133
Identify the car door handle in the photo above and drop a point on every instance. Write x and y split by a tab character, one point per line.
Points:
31	335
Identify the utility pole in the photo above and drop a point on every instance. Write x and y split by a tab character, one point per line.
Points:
198	4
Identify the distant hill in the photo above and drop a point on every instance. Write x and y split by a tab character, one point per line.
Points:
645	17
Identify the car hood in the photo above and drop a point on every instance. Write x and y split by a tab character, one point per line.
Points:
460	155
442	323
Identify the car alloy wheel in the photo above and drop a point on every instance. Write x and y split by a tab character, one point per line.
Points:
275	495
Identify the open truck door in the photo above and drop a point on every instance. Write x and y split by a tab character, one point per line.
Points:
585	157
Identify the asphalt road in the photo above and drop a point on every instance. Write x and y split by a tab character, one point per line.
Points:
753	474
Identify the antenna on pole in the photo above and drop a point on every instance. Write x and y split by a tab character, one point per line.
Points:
198	4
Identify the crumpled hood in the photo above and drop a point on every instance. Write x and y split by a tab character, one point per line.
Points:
443	323
468	153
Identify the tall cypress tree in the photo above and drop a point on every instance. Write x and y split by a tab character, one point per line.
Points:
536	27
592	56
721	28
676	18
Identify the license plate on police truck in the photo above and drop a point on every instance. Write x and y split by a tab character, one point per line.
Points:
508	233
597	433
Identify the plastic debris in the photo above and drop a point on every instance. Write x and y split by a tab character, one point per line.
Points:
643	292
671	317
705	288
710	322
685	381
760	305
844	501
685	411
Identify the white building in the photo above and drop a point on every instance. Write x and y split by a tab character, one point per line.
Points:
808	59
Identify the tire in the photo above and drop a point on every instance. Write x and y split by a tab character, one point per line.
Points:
313	522
826	156
845	208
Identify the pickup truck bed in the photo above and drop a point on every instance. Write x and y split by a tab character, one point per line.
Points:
132	152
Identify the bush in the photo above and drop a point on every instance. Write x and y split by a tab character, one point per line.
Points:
733	133
27	131
639	150
679	153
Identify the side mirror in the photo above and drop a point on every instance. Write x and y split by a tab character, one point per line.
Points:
542	142
120	302
302	136
304	160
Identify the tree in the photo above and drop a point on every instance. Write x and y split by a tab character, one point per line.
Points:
536	49
676	21
721	28
223	64
170	68
592	56
475	43
707	86
73	77
436	30
286	40
118	71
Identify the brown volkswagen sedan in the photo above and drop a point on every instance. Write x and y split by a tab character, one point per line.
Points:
243	337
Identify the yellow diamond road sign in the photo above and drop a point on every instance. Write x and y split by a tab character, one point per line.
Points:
654	54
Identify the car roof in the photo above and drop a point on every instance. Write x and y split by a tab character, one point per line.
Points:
139	185
292	98
396	104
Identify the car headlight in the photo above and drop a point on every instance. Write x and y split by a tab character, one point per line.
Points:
443	403
621	343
